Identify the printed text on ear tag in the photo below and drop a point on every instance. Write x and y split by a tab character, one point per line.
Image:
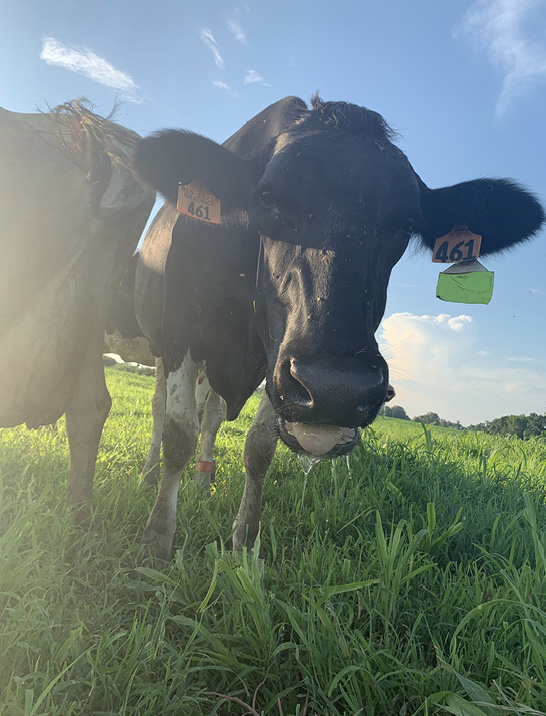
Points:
197	201
459	245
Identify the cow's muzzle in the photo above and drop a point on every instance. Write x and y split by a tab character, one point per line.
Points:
330	391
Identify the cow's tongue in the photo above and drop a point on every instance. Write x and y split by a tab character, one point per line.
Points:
316	439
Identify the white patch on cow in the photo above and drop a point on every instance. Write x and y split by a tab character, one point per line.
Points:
114	356
182	424
158	421
213	415
201	391
132	350
181	404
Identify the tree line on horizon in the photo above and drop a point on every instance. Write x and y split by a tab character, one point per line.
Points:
524	426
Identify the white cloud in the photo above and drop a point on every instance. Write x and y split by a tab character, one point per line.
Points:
224	86
87	63
437	363
536	292
504	29
237	30
252	77
208	38
521	359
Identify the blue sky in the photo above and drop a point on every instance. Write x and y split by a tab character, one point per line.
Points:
463	82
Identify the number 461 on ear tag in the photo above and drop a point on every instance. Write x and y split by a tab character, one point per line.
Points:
459	245
198	202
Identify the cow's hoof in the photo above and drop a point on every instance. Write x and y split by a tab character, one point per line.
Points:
258	559
239	539
239	543
156	545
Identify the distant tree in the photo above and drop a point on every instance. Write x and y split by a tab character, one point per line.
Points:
536	425
428	419
524	426
396	411
478	426
448	424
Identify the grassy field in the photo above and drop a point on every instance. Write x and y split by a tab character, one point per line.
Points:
410	579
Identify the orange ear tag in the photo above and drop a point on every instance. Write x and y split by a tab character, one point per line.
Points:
459	245
197	201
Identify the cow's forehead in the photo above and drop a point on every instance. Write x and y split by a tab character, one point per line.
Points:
347	167
336	153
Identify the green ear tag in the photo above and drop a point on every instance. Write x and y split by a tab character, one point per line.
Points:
467	282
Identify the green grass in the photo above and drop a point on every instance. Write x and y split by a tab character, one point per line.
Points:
410	579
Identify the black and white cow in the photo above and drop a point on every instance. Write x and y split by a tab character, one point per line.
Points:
317	206
124	337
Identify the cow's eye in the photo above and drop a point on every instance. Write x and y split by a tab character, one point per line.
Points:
269	216
267	200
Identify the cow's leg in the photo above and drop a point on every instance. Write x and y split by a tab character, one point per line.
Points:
84	422
179	442
151	469
260	447
202	390
213	414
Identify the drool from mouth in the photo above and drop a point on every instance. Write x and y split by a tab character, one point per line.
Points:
320	440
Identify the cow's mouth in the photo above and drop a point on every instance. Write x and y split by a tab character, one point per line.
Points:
319	440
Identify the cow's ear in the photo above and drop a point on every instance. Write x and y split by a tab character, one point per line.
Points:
173	157
499	210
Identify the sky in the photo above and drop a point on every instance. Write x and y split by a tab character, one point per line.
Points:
464	83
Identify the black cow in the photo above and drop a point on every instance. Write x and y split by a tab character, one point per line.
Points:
317	206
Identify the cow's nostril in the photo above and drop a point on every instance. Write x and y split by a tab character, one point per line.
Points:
304	401
301	394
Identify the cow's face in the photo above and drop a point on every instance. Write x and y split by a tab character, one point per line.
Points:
332	203
334	218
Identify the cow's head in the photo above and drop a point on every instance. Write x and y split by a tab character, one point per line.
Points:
335	204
